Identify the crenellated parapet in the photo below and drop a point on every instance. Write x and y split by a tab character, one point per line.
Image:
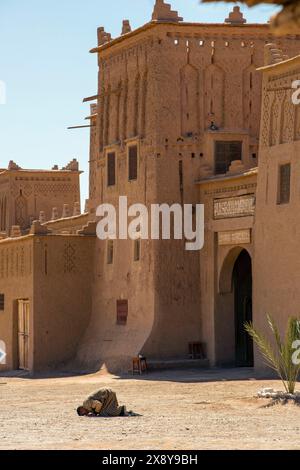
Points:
126	28
13	166
38	229
236	17
103	36
163	12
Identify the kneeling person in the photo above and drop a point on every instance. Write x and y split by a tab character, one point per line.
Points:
102	403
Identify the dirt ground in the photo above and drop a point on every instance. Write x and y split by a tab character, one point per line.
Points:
196	409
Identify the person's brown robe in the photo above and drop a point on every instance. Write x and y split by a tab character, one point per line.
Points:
109	402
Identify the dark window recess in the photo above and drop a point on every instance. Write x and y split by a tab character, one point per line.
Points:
180	169
122	312
1	301
137	250
111	169
132	162
110	252
225	153
46	261
284	184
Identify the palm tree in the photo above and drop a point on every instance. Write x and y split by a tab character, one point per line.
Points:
280	356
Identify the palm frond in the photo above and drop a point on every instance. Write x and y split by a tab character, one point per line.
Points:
279	358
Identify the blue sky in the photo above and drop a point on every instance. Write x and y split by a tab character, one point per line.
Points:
45	64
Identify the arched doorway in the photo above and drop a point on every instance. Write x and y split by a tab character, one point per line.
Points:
233	306
242	290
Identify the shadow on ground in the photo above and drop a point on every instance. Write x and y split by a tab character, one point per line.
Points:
282	401
202	375
170	375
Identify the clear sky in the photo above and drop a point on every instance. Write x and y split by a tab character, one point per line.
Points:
45	64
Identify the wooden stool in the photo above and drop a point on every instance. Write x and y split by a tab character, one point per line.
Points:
139	365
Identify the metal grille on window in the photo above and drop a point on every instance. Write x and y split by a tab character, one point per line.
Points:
122	312
225	154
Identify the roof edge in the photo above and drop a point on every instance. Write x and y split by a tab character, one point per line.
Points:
153	24
227	177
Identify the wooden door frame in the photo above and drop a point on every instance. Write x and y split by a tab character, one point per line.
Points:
25	334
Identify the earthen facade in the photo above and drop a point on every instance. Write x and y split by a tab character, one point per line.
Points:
176	119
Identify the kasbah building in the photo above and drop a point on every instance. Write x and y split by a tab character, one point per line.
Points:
184	113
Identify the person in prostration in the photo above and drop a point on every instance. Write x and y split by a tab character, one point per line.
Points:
103	403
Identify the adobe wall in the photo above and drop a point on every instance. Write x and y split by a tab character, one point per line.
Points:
26	193
16	282
190	59
160	88
276	253
63	275
105	342
125	116
55	274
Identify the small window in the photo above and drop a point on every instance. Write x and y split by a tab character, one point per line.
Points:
110	252
137	250
1	302
180	172
225	154
132	162
111	169
122	312
284	188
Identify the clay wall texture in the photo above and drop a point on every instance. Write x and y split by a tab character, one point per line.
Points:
172	90
160	88
276	256
54	273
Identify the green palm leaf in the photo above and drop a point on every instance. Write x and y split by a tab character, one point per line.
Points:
279	358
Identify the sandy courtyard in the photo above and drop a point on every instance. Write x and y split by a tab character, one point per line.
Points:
208	409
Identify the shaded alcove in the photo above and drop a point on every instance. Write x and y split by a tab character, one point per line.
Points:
233	307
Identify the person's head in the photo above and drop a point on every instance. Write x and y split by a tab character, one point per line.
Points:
81	411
